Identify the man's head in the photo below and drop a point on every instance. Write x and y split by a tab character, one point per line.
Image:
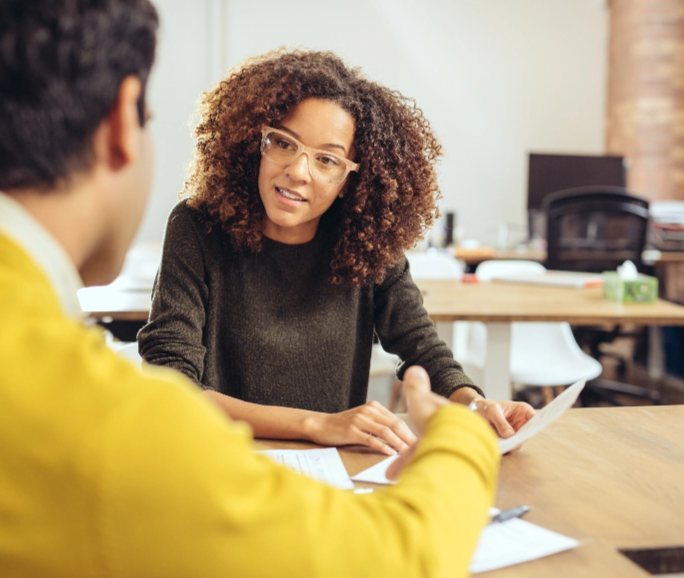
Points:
61	64
72	109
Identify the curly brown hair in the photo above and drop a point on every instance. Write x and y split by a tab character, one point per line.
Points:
387	206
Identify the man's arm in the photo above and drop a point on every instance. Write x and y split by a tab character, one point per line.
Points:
185	495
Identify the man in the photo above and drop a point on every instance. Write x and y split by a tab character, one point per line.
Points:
105	471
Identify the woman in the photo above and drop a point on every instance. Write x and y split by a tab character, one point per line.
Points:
309	182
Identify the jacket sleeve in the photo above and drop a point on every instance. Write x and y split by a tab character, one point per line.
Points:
191	498
405	329
173	334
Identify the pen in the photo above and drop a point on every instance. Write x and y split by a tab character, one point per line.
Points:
509	514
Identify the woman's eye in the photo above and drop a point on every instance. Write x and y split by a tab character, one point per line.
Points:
284	144
329	161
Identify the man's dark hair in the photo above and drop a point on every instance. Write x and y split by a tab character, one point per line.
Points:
61	65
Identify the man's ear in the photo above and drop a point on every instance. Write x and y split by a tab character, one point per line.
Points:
117	141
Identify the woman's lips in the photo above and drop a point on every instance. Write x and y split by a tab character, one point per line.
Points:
289	197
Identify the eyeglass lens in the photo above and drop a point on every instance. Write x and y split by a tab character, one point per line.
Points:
282	150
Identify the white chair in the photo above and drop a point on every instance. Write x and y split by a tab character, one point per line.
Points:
128	351
428	265
542	354
434	265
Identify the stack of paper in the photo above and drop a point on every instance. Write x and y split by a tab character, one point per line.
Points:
324	465
513	542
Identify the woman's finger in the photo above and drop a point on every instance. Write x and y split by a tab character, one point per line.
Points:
518	413
371	425
366	439
495	415
397	466
397	425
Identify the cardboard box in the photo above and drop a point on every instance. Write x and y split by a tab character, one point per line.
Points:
644	289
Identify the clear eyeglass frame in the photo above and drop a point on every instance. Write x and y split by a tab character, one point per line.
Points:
301	149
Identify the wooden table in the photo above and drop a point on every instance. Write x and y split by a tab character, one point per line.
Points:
109	304
474	257
668	265
500	304
613	478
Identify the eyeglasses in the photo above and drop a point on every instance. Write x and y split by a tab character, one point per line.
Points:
324	166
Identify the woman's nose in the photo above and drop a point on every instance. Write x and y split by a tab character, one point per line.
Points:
298	169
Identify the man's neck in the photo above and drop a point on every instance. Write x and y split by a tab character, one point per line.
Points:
68	213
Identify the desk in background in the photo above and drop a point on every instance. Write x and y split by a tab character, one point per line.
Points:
496	304
106	303
613	478
668	265
121	312
500	304
134	304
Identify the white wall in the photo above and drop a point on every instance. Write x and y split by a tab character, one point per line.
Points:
496	78
186	65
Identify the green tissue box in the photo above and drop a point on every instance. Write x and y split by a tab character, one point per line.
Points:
644	289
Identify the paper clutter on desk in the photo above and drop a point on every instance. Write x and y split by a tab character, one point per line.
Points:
627	285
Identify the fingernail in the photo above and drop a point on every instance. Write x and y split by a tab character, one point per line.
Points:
417	369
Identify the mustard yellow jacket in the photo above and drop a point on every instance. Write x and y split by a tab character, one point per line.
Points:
106	471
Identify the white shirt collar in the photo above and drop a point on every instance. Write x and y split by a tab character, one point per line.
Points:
18	224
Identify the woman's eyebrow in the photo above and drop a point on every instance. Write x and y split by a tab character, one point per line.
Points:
328	145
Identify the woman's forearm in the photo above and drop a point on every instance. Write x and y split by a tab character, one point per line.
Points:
370	424
267	421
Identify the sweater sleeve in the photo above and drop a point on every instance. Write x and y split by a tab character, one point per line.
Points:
191	498
405	329
173	334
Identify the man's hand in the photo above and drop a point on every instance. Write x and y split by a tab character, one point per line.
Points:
422	404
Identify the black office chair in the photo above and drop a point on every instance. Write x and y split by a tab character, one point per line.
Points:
596	229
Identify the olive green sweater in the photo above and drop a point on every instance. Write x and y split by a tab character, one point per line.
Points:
270	328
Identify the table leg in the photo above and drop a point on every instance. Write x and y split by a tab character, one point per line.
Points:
445	331
656	354
496	381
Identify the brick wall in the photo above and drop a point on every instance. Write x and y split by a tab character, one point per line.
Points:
645	116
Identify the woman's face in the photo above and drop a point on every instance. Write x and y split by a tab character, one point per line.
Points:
293	200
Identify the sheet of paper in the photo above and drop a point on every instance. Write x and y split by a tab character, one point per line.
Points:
544	417
516	541
324	465
376	474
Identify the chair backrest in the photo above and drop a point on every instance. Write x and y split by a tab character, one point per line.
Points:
129	351
594	229
433	265
487	270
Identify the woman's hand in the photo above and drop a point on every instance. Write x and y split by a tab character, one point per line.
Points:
505	417
367	425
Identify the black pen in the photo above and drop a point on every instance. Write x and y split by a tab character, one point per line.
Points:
510	514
